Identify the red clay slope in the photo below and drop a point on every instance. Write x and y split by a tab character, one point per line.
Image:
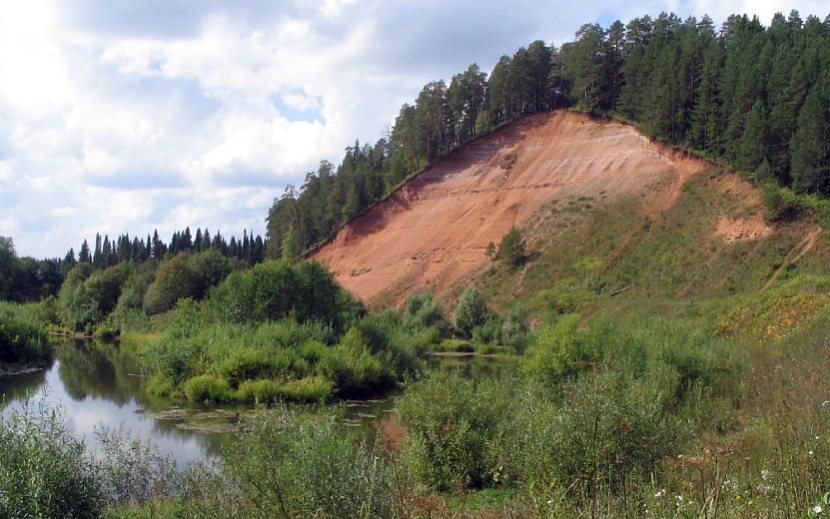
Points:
436	227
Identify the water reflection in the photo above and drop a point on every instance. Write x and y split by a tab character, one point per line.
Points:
97	385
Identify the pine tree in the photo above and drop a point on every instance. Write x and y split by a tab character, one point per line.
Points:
810	146
83	255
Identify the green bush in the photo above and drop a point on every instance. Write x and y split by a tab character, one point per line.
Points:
472	312
246	364
512	248
131	470
351	367
207	388
607	428
308	389
424	315
293	463
175	279
259	391
22	338
559	351
452	428
44	470
88	296
305	390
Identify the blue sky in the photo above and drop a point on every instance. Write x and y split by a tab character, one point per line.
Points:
135	115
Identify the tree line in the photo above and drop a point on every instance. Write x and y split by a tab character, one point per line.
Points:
753	97
108	253
756	98
27	279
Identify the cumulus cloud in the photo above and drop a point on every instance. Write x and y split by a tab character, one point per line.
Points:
137	115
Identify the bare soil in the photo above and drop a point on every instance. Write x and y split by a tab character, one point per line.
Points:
435	229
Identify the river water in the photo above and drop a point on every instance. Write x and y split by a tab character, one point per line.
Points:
98	385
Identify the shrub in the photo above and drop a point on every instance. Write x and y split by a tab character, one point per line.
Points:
22	339
131	470
292	463
247	364
471	312
512	248
559	351
44	471
259	391
351	367
452	425
606	428
308	389
422	313
210	388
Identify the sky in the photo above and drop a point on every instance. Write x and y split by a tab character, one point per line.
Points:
131	116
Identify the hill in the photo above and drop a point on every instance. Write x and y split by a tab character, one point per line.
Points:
604	207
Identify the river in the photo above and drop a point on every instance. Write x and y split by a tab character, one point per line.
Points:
99	385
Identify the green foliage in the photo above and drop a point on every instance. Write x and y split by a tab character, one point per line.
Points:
471	312
425	316
559	351
45	470
608	428
292	463
274	289
132	471
207	388
452	424
246	364
209	269
782	204
515	331
174	280
563	351
208	360
22	338
351	367
512	248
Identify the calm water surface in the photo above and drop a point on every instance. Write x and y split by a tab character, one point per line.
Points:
98	385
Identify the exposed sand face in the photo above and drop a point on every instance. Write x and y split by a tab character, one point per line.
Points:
436	228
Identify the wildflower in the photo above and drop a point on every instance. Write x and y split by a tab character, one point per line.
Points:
765	474
817	509
660	494
810	453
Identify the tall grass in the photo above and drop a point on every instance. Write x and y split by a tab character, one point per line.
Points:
295	463
44	470
22	336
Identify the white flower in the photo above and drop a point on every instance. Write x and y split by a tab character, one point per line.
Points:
765	474
810	453
660	494
817	509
